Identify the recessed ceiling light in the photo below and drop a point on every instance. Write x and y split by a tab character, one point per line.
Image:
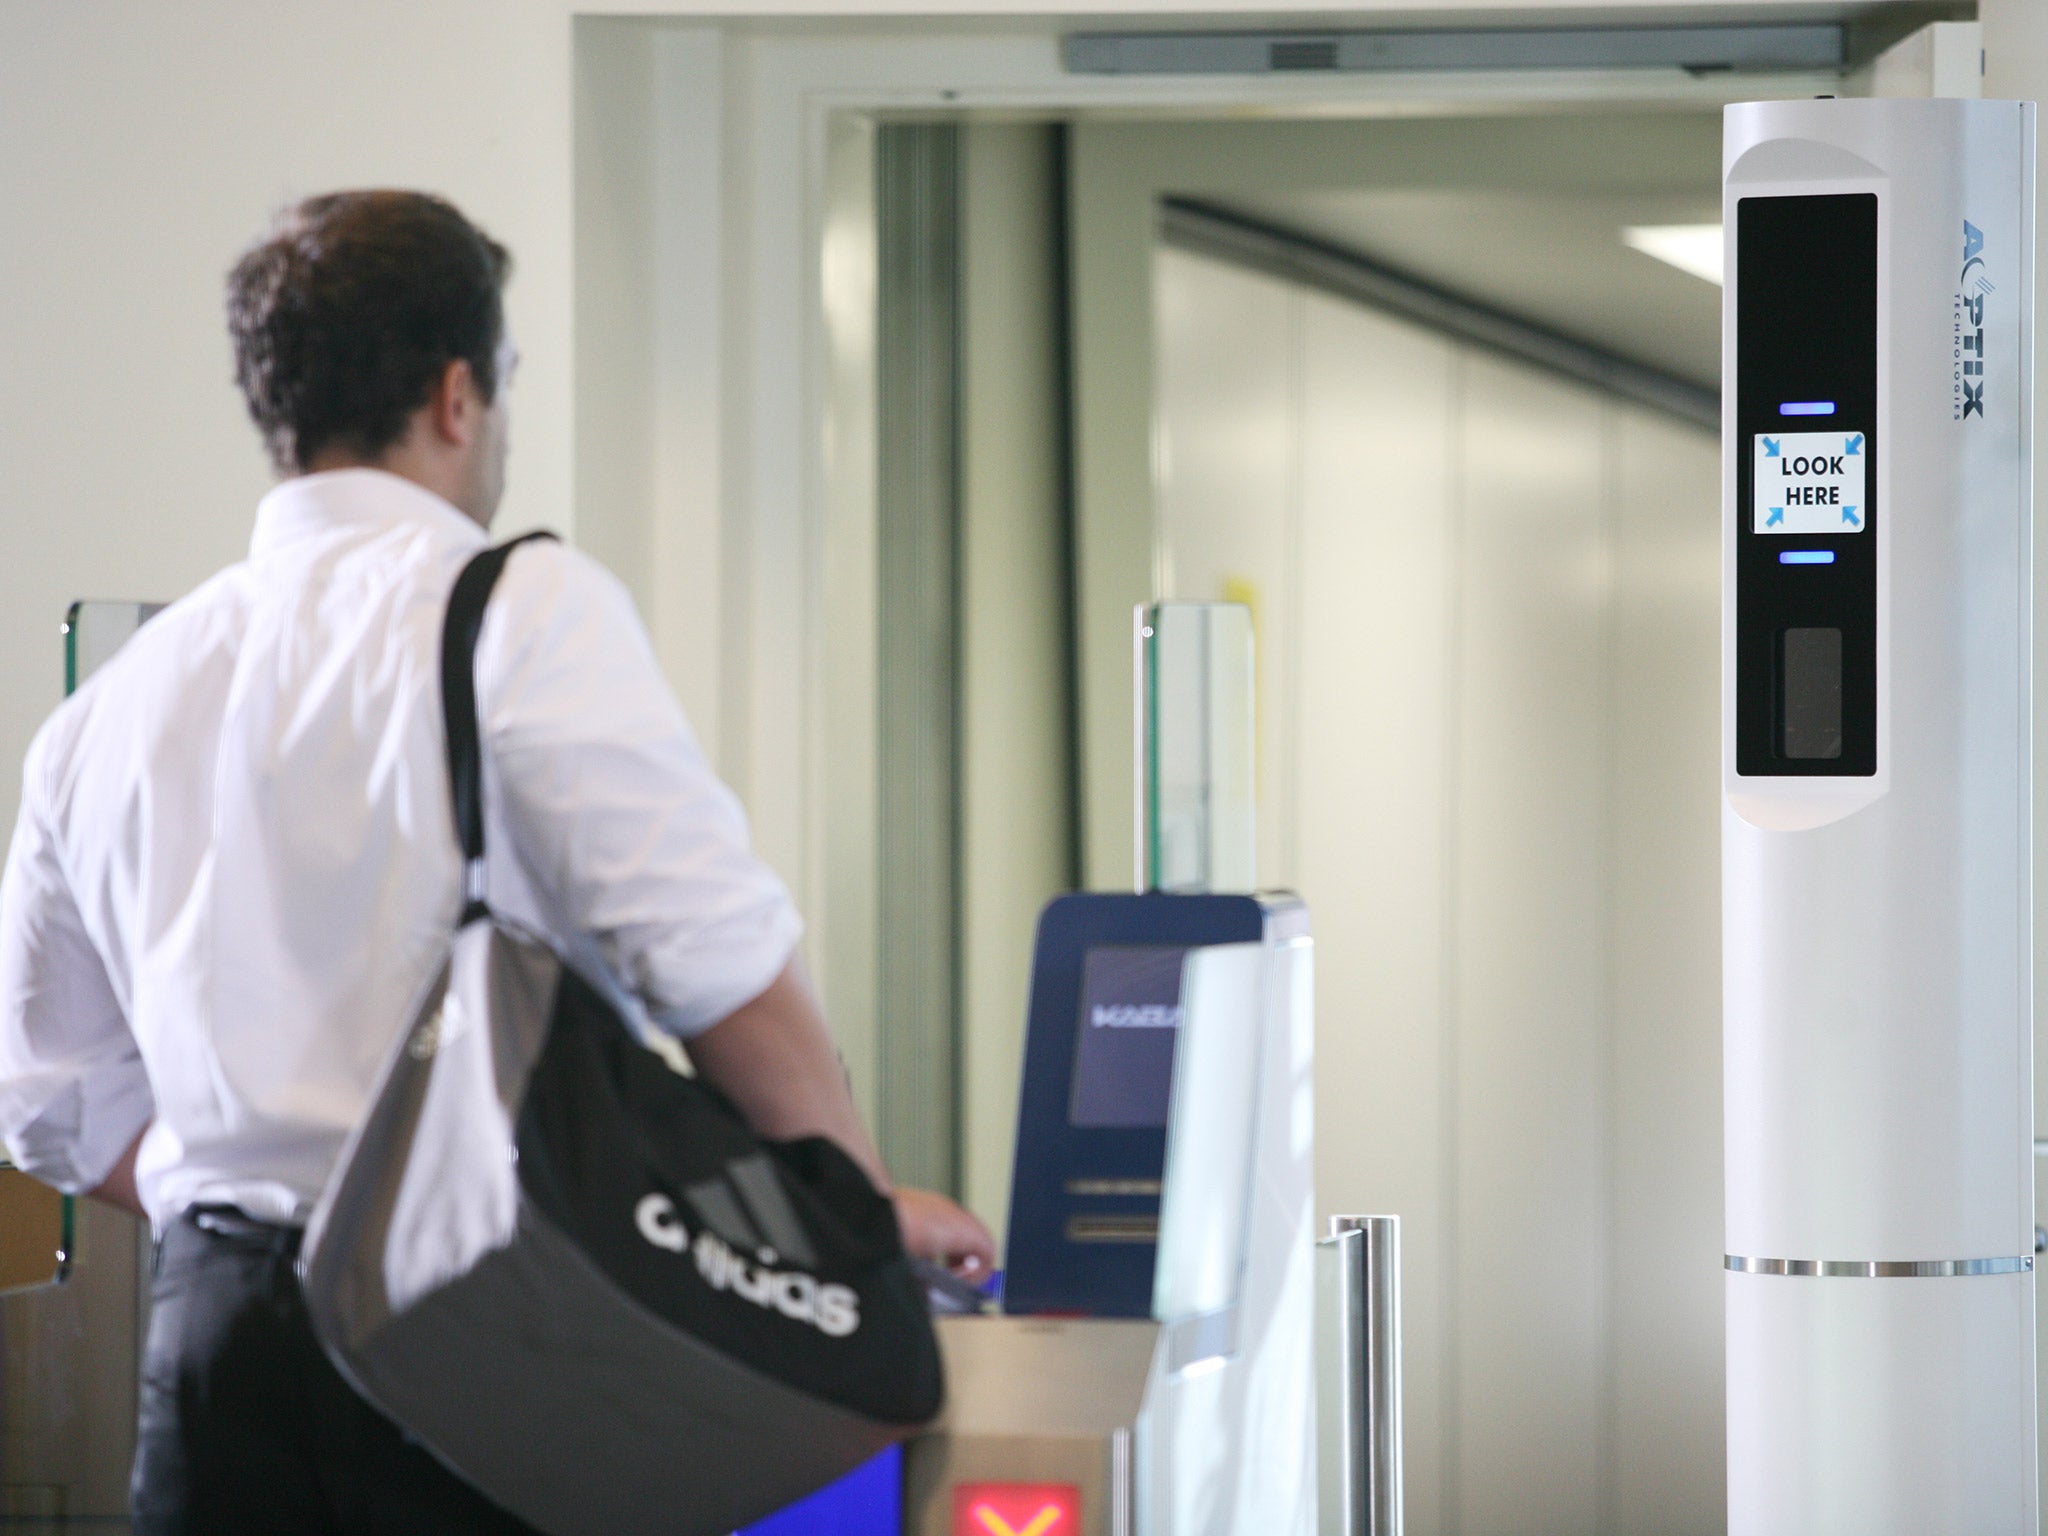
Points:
1694	248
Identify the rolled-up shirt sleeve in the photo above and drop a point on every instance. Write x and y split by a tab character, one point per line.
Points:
616	814
73	1093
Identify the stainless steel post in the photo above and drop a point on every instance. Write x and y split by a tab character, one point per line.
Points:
1358	1281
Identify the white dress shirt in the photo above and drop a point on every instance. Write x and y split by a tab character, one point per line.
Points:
235	869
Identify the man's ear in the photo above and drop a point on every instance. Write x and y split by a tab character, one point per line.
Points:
455	409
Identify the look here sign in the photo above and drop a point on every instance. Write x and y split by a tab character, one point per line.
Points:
1809	482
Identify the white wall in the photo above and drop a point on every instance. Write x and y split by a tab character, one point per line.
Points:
141	147
1486	605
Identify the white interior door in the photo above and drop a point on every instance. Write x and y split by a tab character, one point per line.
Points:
1486	601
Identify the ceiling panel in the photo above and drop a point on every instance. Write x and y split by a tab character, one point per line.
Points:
1557	259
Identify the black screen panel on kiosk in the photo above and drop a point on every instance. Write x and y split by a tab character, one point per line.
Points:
1130	1021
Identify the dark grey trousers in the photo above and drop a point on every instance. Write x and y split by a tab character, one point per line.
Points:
246	1428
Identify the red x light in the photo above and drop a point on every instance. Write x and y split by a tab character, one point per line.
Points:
1016	1509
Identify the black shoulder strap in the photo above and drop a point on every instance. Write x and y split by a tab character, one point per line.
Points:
459	633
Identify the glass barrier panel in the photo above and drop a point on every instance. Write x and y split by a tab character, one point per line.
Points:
38	1226
96	628
1205	1204
1197	815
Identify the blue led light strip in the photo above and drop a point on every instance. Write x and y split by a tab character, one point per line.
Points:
1807	408
1806	557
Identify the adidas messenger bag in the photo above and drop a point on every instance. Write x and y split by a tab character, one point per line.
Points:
575	1274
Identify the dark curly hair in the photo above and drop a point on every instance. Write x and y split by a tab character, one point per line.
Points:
346	316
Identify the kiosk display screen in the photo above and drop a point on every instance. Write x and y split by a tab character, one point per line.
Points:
1101	1053
1123	1050
1806	479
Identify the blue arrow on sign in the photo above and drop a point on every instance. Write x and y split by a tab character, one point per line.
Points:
1777	516
1770	449
1849	516
1854	444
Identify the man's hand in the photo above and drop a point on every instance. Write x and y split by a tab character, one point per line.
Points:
935	1228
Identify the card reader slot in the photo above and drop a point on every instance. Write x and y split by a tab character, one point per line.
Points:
1108	1228
1146	1189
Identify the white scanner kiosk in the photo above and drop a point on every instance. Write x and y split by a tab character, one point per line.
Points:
1152	1372
1877	780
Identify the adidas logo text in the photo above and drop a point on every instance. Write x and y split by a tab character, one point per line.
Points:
834	1310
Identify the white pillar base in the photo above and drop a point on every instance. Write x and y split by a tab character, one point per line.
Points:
1893	1407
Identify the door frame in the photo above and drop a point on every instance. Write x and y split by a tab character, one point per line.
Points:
761	328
